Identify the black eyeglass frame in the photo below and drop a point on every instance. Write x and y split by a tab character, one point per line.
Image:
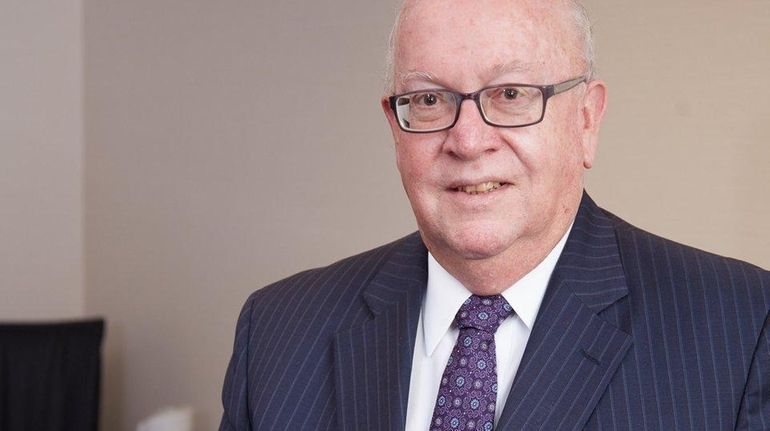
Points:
547	92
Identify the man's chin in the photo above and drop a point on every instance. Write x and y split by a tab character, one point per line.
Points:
479	246
478	253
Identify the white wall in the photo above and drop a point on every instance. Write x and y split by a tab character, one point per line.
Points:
41	159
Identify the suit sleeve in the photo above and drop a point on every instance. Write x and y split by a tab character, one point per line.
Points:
754	413
234	390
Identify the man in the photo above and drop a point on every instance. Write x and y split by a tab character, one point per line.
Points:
519	304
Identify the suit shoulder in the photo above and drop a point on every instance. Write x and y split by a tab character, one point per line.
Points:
326	286
650	255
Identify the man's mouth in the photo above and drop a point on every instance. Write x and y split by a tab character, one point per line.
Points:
475	189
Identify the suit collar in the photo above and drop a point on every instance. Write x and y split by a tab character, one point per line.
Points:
404	274
590	264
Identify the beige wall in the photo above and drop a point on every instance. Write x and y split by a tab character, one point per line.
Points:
228	144
41	169
685	150
223	152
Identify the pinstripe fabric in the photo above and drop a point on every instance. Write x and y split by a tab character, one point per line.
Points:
338	337
635	332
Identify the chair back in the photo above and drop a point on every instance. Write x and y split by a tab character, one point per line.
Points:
50	376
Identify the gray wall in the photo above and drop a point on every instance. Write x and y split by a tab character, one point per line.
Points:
41	160
228	144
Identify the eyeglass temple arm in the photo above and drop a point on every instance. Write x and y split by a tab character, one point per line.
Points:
566	85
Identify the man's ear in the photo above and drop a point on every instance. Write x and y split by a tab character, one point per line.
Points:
592	113
394	129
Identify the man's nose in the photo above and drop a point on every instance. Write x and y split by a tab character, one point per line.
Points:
470	137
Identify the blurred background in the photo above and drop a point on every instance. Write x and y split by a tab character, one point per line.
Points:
163	159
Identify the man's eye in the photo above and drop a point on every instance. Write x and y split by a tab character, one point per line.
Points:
510	93
427	99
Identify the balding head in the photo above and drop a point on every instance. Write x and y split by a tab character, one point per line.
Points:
571	13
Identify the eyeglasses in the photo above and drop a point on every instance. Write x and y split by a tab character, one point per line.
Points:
507	105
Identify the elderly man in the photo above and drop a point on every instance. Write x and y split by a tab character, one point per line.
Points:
519	304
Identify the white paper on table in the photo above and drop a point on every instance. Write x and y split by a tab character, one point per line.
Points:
169	419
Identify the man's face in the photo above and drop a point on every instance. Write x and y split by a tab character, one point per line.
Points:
464	46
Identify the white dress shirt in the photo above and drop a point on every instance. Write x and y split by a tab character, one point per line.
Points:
436	335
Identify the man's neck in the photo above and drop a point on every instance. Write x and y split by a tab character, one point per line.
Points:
492	275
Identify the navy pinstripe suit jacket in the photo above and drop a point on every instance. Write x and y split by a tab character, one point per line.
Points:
635	333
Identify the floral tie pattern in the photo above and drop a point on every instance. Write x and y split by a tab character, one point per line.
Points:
468	391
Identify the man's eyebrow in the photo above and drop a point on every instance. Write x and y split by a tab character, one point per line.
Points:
410	75
514	66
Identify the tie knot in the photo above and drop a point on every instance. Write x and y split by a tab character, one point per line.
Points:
484	313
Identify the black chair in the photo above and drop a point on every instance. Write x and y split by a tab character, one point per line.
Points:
49	376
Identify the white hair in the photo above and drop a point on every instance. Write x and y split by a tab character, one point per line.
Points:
580	19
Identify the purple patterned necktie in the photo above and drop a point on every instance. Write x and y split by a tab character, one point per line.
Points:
468	391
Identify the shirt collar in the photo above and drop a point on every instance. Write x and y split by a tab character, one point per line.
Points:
445	295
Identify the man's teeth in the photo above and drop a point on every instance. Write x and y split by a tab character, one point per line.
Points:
480	188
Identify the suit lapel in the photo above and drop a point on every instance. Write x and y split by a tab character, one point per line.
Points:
572	352
373	362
